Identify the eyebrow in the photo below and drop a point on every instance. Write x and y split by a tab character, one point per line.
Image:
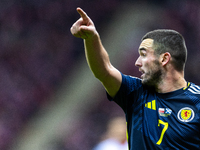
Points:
142	49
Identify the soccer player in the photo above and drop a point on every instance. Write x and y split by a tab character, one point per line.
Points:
162	109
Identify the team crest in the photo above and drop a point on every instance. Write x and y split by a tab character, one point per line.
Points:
186	114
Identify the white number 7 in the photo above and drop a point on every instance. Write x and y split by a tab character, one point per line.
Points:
163	131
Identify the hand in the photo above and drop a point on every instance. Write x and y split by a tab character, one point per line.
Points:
84	27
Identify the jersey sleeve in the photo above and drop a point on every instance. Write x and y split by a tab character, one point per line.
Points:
128	92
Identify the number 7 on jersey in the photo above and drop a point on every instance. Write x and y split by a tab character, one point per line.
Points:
163	131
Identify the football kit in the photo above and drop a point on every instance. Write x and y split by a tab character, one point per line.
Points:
160	121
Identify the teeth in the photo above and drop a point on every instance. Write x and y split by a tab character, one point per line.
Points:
141	71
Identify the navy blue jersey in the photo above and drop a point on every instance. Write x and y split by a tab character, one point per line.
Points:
158	121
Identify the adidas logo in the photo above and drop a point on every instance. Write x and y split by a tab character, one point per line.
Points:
151	105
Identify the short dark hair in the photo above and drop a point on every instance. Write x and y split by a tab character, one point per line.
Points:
169	41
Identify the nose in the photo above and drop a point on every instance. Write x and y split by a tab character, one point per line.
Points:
138	62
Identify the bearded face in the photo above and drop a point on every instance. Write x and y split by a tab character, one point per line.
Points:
149	64
152	74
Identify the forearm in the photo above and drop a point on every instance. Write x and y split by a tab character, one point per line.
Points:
97	57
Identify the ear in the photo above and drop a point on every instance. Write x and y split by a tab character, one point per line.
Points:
165	58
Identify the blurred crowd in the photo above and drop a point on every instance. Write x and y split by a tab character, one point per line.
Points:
37	53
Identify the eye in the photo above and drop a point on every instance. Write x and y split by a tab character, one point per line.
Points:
143	54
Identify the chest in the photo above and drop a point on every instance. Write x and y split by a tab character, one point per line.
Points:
170	122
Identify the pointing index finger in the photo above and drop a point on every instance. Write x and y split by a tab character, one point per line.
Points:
82	14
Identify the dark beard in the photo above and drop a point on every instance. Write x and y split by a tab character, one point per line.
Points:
154	80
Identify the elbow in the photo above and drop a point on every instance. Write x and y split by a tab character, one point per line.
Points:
103	74
100	75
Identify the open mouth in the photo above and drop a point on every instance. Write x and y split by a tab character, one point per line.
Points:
142	76
143	73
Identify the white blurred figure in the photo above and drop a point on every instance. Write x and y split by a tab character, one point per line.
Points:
115	136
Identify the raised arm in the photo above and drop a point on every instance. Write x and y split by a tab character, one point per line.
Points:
96	55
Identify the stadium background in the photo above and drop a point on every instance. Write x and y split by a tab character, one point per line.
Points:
49	99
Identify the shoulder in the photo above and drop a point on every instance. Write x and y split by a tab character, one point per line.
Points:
130	81
195	89
193	92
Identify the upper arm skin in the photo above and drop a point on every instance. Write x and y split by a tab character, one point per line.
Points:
112	81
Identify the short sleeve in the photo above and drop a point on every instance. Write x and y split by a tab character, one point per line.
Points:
128	91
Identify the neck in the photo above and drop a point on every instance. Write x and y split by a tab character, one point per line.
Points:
171	81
